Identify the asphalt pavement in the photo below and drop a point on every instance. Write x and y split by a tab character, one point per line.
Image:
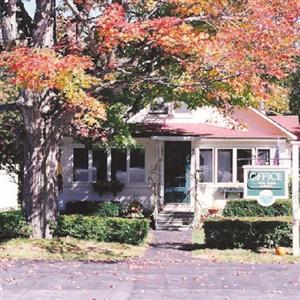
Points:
167	271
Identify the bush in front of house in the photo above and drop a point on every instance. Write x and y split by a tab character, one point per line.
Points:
81	207
103	209
13	225
248	233
109	209
250	208
129	231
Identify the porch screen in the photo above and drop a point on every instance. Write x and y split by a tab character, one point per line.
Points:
137	165
99	171
244	157
118	165
80	164
206	165
225	165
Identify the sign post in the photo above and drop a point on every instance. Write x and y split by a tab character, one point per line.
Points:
295	197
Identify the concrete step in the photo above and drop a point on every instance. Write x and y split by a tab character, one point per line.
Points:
172	228
170	220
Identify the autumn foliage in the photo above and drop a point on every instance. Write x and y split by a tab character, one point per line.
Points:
42	69
242	45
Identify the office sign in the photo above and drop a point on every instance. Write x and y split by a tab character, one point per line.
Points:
265	184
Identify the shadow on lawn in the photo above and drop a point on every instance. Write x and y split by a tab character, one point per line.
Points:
178	246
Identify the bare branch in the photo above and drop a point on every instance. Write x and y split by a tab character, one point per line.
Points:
8	107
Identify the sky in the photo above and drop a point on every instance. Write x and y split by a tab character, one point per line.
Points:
30	7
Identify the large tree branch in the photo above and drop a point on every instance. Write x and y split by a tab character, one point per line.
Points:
8	107
8	22
44	24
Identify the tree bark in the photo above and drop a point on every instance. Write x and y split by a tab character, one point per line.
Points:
41	150
44	24
8	21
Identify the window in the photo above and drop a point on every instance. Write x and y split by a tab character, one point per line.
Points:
263	156
118	165
206	165
159	107
137	165
181	108
225	165
80	164
244	157
99	169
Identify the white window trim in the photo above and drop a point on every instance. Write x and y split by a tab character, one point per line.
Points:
262	148
216	168
215	150
198	151
252	156
78	146
109	165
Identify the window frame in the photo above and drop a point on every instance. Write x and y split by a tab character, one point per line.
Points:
109	166
256	155
233	163
213	163
252	157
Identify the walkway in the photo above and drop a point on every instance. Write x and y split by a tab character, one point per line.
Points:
167	271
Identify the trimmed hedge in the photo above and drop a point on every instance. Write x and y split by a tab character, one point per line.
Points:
249	233
129	231
103	209
250	208
13	225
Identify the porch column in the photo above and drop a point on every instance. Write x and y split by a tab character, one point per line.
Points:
295	197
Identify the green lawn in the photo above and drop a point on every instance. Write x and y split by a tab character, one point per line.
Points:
236	255
68	249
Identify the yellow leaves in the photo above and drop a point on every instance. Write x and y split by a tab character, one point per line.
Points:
198	7
39	69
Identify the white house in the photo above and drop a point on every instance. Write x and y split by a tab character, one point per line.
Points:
186	161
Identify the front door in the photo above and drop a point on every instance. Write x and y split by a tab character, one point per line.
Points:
177	169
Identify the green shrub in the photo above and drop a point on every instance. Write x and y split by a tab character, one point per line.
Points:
130	231
81	207
250	208
109	209
13	225
103	209
249	233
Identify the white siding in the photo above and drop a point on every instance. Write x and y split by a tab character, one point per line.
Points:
9	191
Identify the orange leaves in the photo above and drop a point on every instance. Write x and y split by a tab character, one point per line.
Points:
113	29
170	33
39	69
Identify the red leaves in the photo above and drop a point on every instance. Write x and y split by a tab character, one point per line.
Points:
37	69
250	40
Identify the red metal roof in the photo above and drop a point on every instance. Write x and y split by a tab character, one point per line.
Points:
291	123
202	130
256	126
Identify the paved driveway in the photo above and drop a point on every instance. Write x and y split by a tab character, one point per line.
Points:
166	272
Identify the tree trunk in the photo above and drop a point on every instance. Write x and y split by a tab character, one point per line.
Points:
9	26
40	192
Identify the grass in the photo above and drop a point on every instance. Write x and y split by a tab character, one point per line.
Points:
236	255
68	249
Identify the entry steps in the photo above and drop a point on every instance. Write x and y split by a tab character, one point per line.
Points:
174	220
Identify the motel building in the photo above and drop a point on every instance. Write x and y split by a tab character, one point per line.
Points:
185	161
